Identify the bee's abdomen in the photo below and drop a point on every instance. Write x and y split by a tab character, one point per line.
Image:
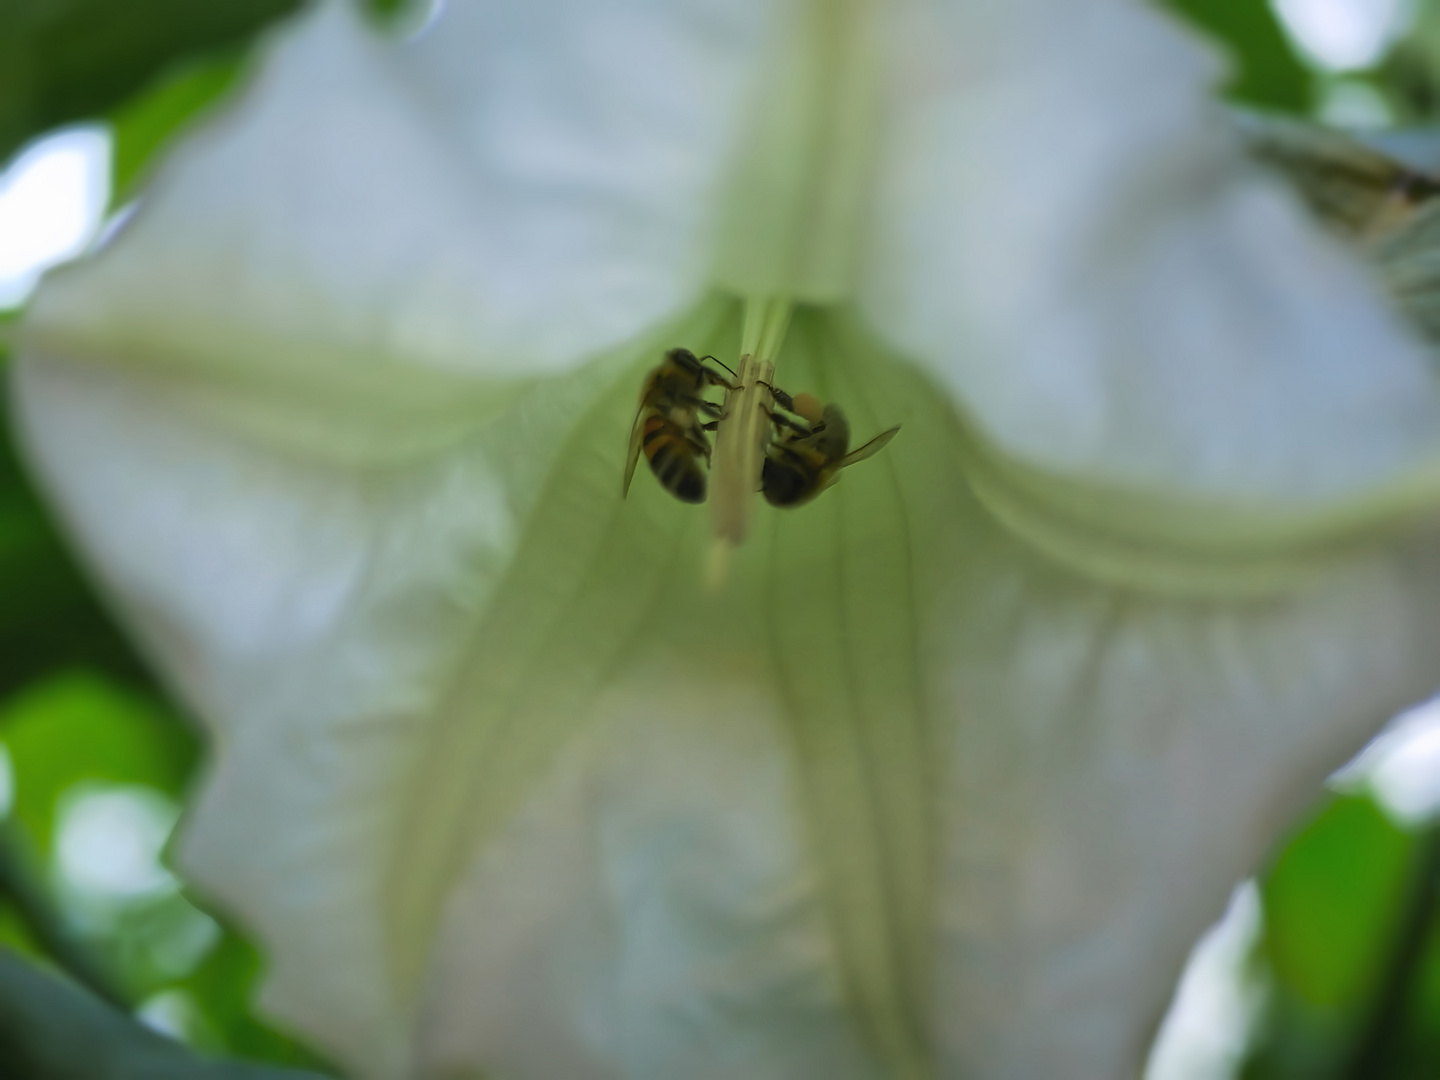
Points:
784	483
673	460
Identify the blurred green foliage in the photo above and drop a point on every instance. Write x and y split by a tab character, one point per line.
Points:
1409	77
68	60
50	1030
49	616
77	726
79	711
1329	900
1266	70
1350	952
141	126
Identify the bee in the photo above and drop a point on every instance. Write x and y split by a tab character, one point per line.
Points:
668	427
803	459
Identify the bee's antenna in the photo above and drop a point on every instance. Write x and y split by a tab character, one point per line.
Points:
722	363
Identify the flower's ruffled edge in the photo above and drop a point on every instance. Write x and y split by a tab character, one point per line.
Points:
1069	239
317	611
435	688
365	255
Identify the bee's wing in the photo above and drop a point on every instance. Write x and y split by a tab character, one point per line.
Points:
637	432
870	449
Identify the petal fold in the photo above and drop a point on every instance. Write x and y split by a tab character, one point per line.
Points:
502	788
1069	239
1113	757
380	238
491	686
927	791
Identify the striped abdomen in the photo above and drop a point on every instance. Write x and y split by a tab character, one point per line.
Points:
673	459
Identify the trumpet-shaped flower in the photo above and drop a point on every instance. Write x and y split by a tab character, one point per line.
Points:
946	777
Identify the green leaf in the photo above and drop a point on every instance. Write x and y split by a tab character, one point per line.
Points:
1268	72
144	123
49	617
81	726
1425	1003
52	1030
223	986
1331	901
68	60
38	927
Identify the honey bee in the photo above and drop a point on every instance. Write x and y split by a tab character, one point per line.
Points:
803	459
668	427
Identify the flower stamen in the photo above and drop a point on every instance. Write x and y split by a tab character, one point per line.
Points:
744	429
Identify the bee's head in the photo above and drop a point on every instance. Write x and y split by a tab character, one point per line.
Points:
833	439
686	360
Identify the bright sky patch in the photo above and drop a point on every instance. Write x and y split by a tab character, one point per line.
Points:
52	200
1344	35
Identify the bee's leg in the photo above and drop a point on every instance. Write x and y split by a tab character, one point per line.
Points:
784	400
721	381
714	378
699	404
784	422
714	425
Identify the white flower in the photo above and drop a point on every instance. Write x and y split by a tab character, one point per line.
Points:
948	777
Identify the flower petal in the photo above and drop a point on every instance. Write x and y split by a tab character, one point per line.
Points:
501	787
1121	762
1069	239
381	237
318	611
1114	759
652	911
420	672
497	783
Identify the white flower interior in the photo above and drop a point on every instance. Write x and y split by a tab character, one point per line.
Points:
949	776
